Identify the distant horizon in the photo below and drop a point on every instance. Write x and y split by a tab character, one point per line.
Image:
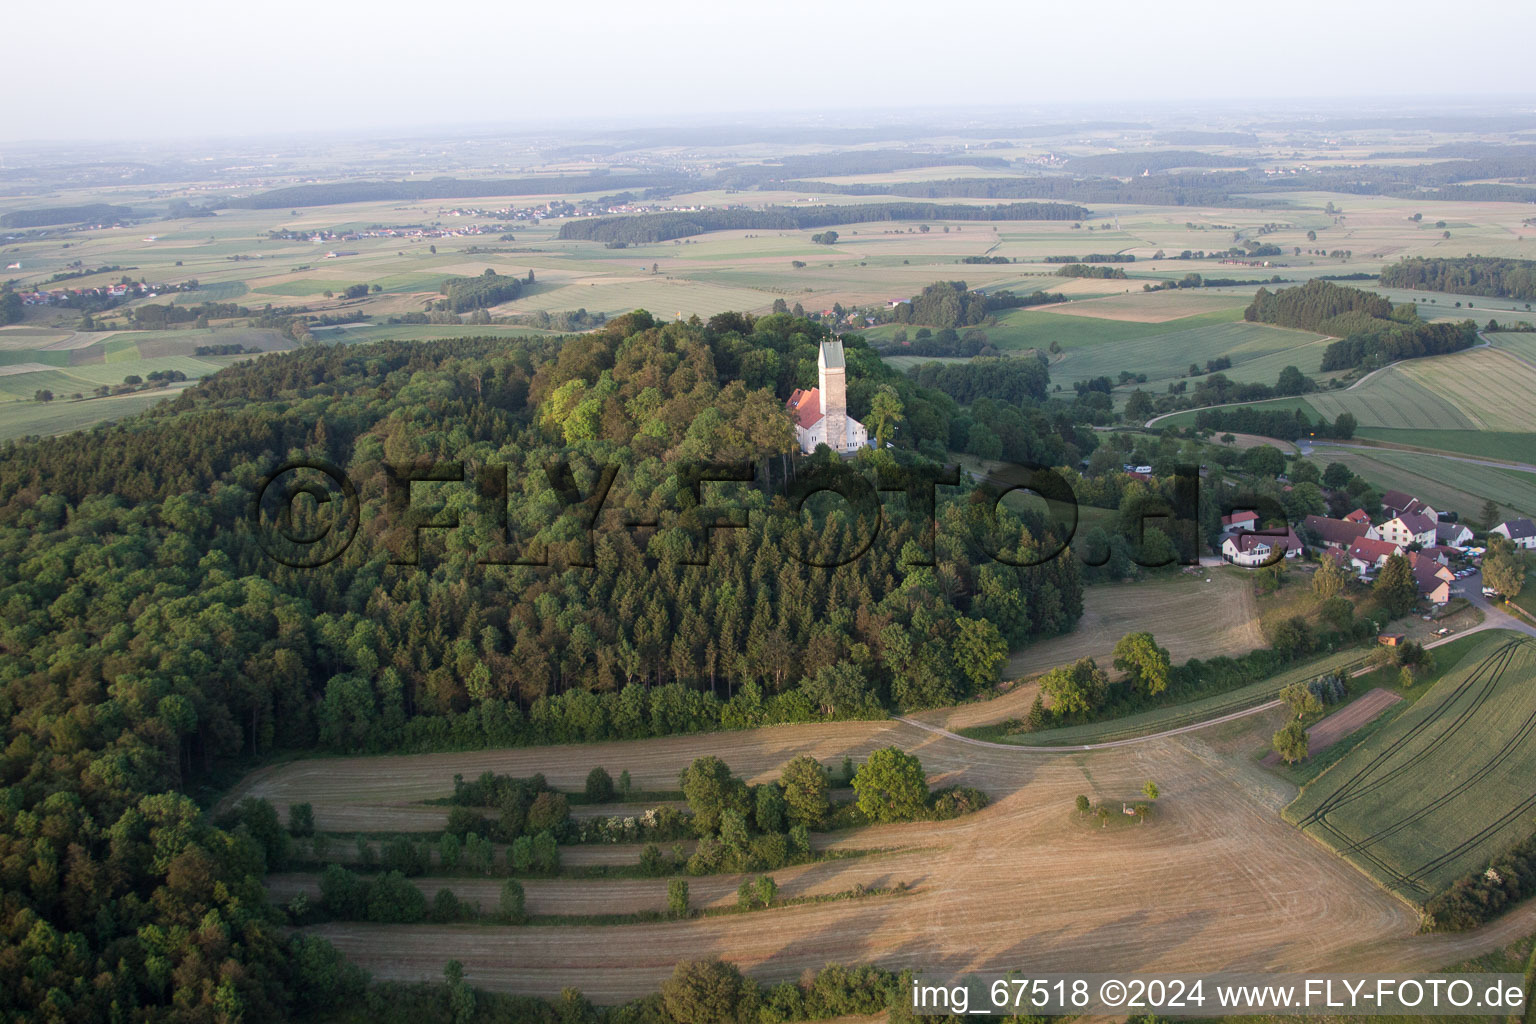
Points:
168	72
985	121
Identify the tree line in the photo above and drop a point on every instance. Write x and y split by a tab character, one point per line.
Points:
661	227
1470	275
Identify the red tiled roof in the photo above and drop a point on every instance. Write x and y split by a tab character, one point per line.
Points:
1370	551
806	405
1336	531
1239	517
1359	516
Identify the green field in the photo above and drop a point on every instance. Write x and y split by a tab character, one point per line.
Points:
1258	352
1484	444
1446	785
1445	483
23	419
1032	328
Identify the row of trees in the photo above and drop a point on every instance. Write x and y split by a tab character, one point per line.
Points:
661	227
1287	425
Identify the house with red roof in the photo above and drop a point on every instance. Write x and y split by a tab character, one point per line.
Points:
1368	554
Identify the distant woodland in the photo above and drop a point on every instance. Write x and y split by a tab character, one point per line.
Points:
1470	275
661	227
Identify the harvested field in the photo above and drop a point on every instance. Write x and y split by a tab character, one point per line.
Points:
1195	619
1341	723
1442	787
1192	619
1015	883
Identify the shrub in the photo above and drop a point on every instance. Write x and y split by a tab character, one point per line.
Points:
677	898
599	786
548	812
394	900
301	819
952	803
1482	896
512	902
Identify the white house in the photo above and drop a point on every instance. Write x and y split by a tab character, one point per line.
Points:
1521	531
1452	535
821	414
1252	549
1405	528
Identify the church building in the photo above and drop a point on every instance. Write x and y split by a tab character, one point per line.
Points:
821	414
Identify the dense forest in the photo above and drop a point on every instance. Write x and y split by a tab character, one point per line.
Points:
951	304
149	638
1470	275
661	227
834	165
463	294
296	196
1463	180
44	216
1373	331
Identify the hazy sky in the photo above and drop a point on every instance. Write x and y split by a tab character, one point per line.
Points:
176	69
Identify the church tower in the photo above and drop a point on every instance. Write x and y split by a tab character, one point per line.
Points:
834	394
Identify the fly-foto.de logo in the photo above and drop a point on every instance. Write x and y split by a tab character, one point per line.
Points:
306	514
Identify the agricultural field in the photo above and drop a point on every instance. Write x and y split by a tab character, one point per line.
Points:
1446	483
1196	619
968	905
1473	403
1446	784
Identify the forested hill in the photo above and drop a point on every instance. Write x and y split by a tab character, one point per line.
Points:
148	638
1372	331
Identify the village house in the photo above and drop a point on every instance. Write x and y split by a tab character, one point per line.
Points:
1241	520
1452	535
1359	516
1335	534
1395	503
1521	531
1406	528
1368	554
1253	549
1434	579
821	413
